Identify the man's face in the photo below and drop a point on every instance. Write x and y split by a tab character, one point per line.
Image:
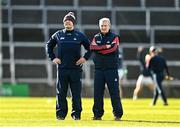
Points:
104	27
68	25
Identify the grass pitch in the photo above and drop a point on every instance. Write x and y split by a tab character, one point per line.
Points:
41	112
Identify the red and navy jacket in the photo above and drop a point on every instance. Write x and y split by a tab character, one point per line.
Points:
68	47
105	57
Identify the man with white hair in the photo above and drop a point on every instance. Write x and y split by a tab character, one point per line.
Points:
105	56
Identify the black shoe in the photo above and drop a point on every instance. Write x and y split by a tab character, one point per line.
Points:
76	118
116	118
60	118
166	104
96	118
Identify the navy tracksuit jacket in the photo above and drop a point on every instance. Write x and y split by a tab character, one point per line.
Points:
106	71
68	73
158	65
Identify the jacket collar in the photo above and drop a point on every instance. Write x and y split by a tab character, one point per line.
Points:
106	34
68	31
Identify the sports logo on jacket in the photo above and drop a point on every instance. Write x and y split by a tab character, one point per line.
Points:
62	38
98	42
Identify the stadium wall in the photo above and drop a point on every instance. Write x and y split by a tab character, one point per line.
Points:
27	25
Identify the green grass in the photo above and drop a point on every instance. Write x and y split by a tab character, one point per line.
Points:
41	112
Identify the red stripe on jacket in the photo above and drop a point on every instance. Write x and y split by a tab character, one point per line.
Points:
95	47
112	49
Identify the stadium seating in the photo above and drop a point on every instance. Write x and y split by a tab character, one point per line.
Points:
27	25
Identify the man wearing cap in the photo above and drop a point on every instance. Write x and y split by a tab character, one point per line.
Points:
105	48
158	66
69	65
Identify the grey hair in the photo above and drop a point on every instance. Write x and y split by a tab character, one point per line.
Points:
152	49
104	19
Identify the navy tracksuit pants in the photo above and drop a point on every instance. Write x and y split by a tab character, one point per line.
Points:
68	78
101	77
158	89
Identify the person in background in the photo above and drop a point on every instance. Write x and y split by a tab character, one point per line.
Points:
145	77
105	56
69	65
121	71
158	67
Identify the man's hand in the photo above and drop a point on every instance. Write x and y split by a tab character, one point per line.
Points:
57	61
108	46
169	78
93	43
81	61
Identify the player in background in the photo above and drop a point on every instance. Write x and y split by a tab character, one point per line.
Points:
145	77
121	71
158	67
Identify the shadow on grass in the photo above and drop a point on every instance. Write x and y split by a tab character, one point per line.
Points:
148	121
